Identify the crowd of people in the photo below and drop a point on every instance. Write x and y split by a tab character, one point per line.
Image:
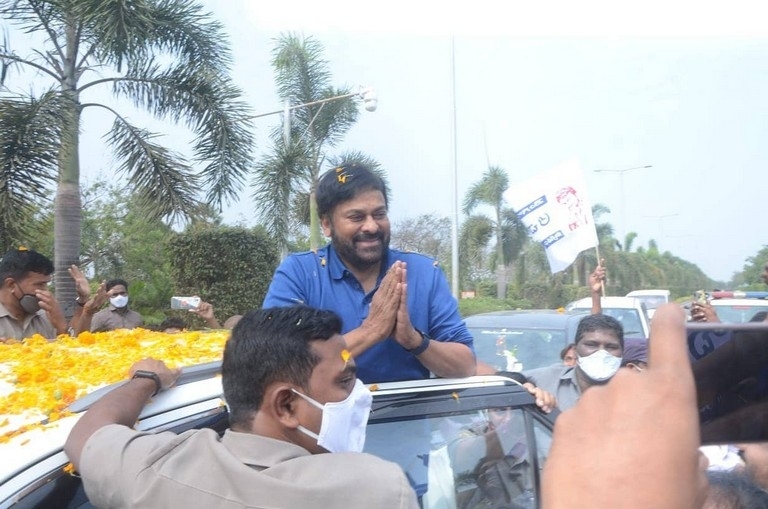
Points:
358	312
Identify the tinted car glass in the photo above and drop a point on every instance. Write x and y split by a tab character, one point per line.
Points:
516	350
468	449
738	313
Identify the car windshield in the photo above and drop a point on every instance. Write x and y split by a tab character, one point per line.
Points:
463	459
516	350
629	319
738	313
652	301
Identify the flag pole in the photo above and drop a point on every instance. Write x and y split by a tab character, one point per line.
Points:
599	262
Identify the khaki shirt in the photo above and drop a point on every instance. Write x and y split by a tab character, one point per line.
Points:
558	380
10	328
112	318
121	467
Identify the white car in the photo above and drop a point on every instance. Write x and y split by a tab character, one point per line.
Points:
738	310
629	311
434	429
651	298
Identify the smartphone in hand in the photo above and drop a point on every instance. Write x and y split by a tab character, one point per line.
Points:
185	302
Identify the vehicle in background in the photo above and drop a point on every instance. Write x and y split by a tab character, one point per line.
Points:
444	452
737	310
651	298
629	311
518	340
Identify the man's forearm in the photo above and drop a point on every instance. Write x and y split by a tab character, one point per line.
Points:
120	406
448	359
361	339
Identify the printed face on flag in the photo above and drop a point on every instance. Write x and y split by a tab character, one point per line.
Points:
556	211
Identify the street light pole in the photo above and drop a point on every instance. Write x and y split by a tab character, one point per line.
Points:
661	217
621	173
455	182
367	94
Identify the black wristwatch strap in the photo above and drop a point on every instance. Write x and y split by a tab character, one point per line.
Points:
151	375
425	339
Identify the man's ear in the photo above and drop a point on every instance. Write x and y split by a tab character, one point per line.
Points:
325	223
8	283
283	404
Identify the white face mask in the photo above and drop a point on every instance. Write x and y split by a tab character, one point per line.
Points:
343	425
119	301
599	366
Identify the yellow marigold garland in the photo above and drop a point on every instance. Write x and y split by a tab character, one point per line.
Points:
45	377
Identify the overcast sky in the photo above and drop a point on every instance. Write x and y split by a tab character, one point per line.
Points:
681	86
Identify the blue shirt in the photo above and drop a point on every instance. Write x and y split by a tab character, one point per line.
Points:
322	281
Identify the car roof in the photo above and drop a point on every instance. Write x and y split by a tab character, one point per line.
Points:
198	391
524	319
609	302
635	293
739	302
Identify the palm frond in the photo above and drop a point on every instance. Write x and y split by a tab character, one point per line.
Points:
278	177
29	137
130	32
211	107
301	73
163	180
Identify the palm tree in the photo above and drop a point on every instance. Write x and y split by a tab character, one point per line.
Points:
302	77
165	56
489	190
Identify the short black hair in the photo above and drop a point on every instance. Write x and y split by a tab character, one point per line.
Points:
267	346
16	263
592	323
564	351
344	183
117	281
172	322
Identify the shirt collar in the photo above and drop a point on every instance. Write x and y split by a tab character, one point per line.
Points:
260	451
337	268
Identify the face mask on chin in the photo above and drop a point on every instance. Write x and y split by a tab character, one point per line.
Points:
344	422
119	301
599	366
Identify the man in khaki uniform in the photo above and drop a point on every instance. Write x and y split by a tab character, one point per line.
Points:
286	377
26	305
117	315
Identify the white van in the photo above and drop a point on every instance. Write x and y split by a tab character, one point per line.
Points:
651	298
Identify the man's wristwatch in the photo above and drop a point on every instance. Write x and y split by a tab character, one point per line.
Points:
152	375
425	339
77	301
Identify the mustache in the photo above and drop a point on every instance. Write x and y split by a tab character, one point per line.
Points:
368	236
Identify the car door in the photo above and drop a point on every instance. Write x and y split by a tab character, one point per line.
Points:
468	447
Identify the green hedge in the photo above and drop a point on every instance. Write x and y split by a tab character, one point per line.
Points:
230	267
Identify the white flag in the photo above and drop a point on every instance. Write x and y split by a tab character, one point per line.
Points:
555	209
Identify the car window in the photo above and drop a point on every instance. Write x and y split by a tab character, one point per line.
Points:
517	350
543	436
474	459
629	319
738	313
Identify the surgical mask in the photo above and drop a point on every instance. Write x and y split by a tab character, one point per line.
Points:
29	304
600	366
119	301
343	425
